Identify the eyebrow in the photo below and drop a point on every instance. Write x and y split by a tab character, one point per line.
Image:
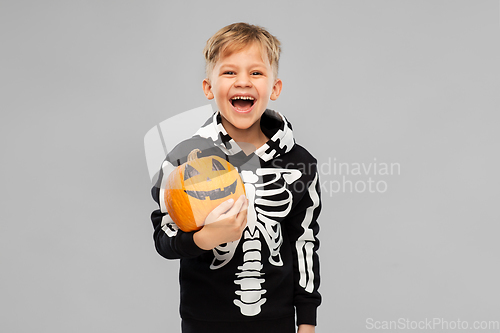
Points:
250	66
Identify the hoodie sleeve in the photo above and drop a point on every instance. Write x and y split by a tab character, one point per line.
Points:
303	229
170	241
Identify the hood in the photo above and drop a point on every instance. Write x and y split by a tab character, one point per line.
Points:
273	124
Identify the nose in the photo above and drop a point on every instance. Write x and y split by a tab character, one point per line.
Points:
243	80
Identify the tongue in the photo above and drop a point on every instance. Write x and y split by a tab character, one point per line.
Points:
242	104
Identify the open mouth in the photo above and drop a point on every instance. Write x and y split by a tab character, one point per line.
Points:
242	103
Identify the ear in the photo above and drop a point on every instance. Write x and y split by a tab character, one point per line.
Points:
276	89
207	89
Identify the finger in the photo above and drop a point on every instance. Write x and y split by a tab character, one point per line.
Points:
222	208
236	207
243	211
244	224
242	214
241	219
245	205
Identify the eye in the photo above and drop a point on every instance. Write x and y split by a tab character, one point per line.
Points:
217	166
256	73
189	172
228	73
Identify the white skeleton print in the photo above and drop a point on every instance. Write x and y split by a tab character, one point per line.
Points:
259	222
272	271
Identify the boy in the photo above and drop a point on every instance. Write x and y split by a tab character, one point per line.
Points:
254	262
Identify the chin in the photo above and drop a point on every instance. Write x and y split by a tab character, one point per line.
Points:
241	124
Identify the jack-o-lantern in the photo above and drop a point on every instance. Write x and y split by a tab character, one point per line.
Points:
198	186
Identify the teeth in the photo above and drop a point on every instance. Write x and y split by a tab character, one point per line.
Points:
243	97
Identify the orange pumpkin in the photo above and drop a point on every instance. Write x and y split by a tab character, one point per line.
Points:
198	186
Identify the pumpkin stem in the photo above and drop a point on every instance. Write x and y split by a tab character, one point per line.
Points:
193	154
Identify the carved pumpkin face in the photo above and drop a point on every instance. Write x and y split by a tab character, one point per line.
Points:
198	186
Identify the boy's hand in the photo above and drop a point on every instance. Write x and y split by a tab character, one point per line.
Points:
304	328
224	224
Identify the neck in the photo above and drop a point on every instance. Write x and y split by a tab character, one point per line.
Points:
248	139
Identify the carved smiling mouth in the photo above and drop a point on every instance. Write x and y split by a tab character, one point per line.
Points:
214	194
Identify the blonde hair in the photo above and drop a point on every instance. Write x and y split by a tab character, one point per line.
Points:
237	36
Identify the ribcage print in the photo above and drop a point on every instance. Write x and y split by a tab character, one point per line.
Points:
268	201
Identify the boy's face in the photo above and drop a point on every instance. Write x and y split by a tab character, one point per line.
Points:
242	85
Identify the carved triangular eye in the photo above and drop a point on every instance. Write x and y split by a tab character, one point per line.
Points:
189	172
216	165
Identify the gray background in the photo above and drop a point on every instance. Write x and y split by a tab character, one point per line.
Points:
408	82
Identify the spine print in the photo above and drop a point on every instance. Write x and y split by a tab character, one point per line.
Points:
249	278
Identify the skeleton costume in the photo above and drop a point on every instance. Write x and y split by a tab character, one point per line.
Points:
257	283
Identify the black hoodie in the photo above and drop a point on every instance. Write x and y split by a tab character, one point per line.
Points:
273	270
